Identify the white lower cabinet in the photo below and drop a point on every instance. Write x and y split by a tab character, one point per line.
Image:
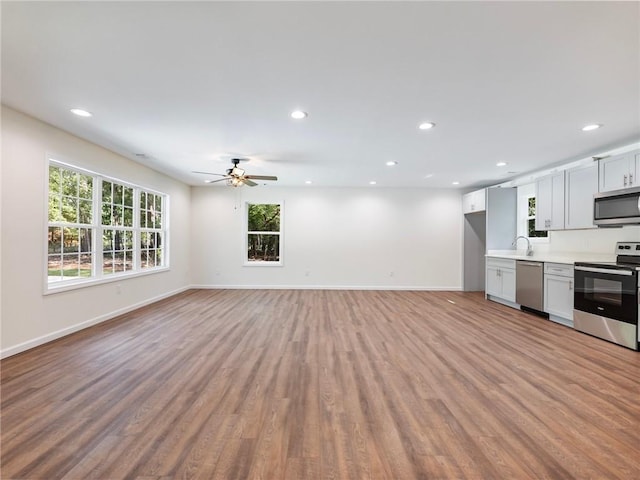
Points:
558	292
501	279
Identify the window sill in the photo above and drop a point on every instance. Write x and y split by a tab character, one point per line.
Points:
50	289
262	264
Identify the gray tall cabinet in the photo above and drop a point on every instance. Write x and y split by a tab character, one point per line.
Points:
490	223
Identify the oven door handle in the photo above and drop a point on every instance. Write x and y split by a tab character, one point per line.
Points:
627	273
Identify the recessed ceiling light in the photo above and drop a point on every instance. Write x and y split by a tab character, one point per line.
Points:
593	126
501	164
298	114
391	163
455	183
80	112
308	182
372	182
426	126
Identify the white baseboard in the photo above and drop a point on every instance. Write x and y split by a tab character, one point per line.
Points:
326	287
21	347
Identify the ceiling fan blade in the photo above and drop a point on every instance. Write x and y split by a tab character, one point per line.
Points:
246	181
209	182
209	173
261	177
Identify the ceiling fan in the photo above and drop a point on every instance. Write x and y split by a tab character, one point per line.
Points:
236	177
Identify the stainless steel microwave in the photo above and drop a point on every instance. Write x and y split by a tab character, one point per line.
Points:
617	208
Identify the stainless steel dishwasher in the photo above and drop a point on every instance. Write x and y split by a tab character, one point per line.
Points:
530	284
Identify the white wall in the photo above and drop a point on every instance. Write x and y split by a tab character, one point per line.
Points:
29	317
599	240
343	237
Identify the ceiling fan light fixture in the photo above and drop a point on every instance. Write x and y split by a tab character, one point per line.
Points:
235	182
237	172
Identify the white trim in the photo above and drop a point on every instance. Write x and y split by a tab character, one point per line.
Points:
329	287
21	347
260	263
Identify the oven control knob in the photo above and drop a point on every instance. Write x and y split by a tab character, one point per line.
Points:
627	247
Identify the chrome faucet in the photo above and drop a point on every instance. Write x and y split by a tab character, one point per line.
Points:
529	249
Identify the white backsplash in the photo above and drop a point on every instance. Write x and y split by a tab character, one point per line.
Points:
601	240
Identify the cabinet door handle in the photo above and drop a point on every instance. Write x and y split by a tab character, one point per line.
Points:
570	285
630	179
625	180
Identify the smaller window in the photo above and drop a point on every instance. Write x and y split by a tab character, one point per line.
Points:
531	220
264	234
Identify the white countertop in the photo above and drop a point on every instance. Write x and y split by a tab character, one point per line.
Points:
553	257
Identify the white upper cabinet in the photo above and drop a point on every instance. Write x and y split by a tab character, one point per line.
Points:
580	185
474	201
550	202
620	171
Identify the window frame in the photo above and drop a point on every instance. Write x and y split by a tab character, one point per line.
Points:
247	232
97	275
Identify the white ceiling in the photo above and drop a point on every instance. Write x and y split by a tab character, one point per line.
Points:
192	84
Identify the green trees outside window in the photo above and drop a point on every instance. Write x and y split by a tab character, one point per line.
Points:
69	250
99	226
263	232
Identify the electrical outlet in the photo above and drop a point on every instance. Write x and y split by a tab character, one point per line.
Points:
307	273
391	274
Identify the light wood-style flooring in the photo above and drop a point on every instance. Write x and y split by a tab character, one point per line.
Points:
277	385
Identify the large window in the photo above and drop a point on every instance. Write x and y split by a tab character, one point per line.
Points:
100	227
264	233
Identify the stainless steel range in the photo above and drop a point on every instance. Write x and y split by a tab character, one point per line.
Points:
606	297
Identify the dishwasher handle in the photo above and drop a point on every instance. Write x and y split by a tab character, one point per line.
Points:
529	264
